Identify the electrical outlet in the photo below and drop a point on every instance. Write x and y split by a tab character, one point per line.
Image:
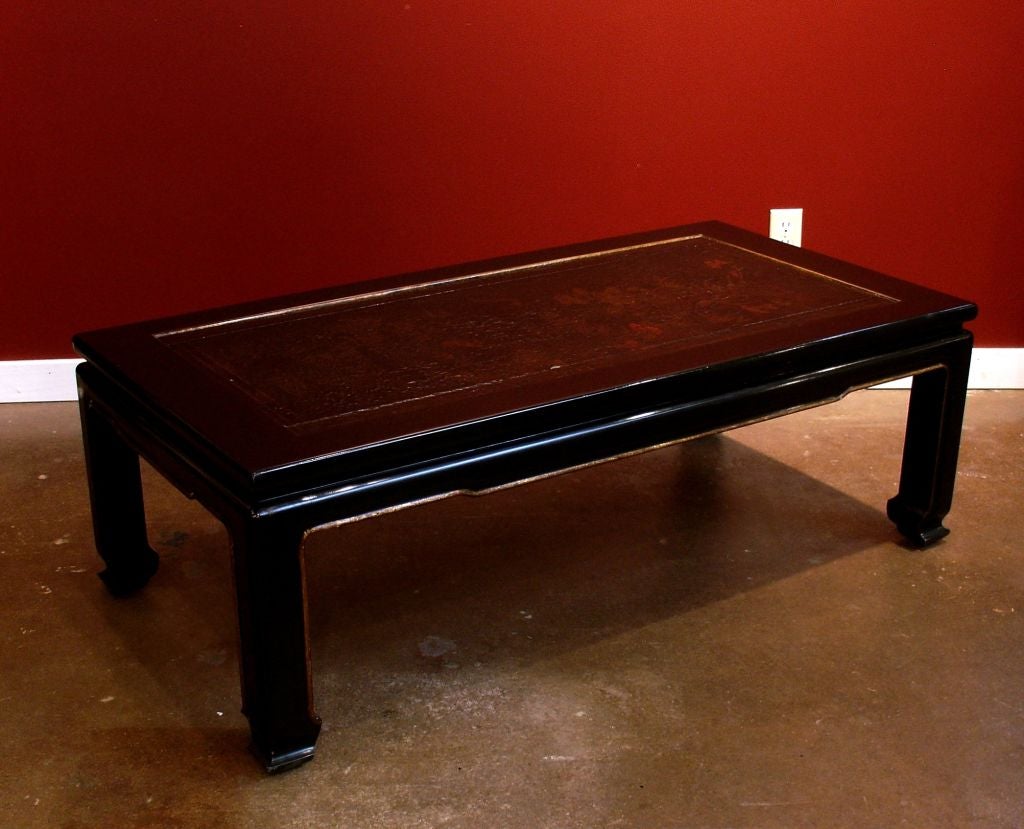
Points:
786	224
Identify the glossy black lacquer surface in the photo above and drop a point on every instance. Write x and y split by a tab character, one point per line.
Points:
295	412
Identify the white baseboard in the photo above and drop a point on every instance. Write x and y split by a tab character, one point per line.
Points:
37	381
40	381
991	368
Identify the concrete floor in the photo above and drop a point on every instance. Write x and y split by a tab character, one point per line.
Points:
725	633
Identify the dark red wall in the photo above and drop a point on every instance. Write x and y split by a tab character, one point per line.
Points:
161	156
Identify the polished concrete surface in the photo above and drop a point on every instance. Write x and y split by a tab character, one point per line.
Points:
724	633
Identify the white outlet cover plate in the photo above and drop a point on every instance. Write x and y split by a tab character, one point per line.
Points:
786	224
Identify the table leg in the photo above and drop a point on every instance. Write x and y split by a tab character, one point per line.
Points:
931	447
277	691
115	492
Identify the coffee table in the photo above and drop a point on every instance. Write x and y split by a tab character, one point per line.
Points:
300	412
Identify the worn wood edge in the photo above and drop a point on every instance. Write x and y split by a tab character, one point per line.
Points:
45	381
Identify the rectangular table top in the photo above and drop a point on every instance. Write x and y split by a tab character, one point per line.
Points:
290	380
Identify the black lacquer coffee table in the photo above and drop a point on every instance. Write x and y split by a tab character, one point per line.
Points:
295	413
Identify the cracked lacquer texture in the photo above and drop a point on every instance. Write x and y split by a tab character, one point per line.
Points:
451	338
